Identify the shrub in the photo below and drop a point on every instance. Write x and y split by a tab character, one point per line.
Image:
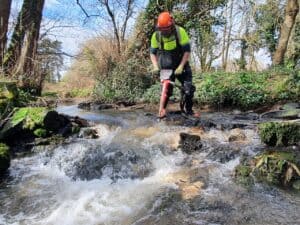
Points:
127	82
279	133
81	93
247	89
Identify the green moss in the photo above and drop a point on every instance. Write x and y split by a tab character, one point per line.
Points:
279	133
40	132
242	175
243	170
4	158
30	116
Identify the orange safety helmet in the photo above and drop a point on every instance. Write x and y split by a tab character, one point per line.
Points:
165	21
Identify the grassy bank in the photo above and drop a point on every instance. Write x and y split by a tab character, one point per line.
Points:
244	90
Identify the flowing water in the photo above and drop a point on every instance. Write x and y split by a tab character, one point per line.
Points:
133	174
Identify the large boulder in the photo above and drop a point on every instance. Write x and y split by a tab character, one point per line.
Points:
4	158
280	133
54	121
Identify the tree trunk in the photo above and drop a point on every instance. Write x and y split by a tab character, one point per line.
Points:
291	11
227	38
4	16
13	53
28	55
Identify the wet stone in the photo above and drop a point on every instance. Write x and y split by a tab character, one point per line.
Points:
88	133
105	106
236	135
189	143
85	105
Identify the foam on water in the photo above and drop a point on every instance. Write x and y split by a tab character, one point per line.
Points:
52	197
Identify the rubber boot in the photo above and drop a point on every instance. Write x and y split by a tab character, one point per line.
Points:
164	98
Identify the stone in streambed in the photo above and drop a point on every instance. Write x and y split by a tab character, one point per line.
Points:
189	143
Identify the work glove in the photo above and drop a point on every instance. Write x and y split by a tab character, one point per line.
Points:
179	70
155	71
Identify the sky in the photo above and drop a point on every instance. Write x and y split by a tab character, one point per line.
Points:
66	22
63	20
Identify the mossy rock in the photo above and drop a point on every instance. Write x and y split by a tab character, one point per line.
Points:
279	168
23	123
31	117
8	89
280	133
40	132
4	158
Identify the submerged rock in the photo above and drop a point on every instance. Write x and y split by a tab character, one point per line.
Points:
4	158
223	153
280	133
111	162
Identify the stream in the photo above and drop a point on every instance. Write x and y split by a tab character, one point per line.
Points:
133	174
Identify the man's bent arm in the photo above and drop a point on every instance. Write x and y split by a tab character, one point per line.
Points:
185	58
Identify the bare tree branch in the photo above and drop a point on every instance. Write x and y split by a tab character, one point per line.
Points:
85	12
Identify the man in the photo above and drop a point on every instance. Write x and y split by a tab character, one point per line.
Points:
170	49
